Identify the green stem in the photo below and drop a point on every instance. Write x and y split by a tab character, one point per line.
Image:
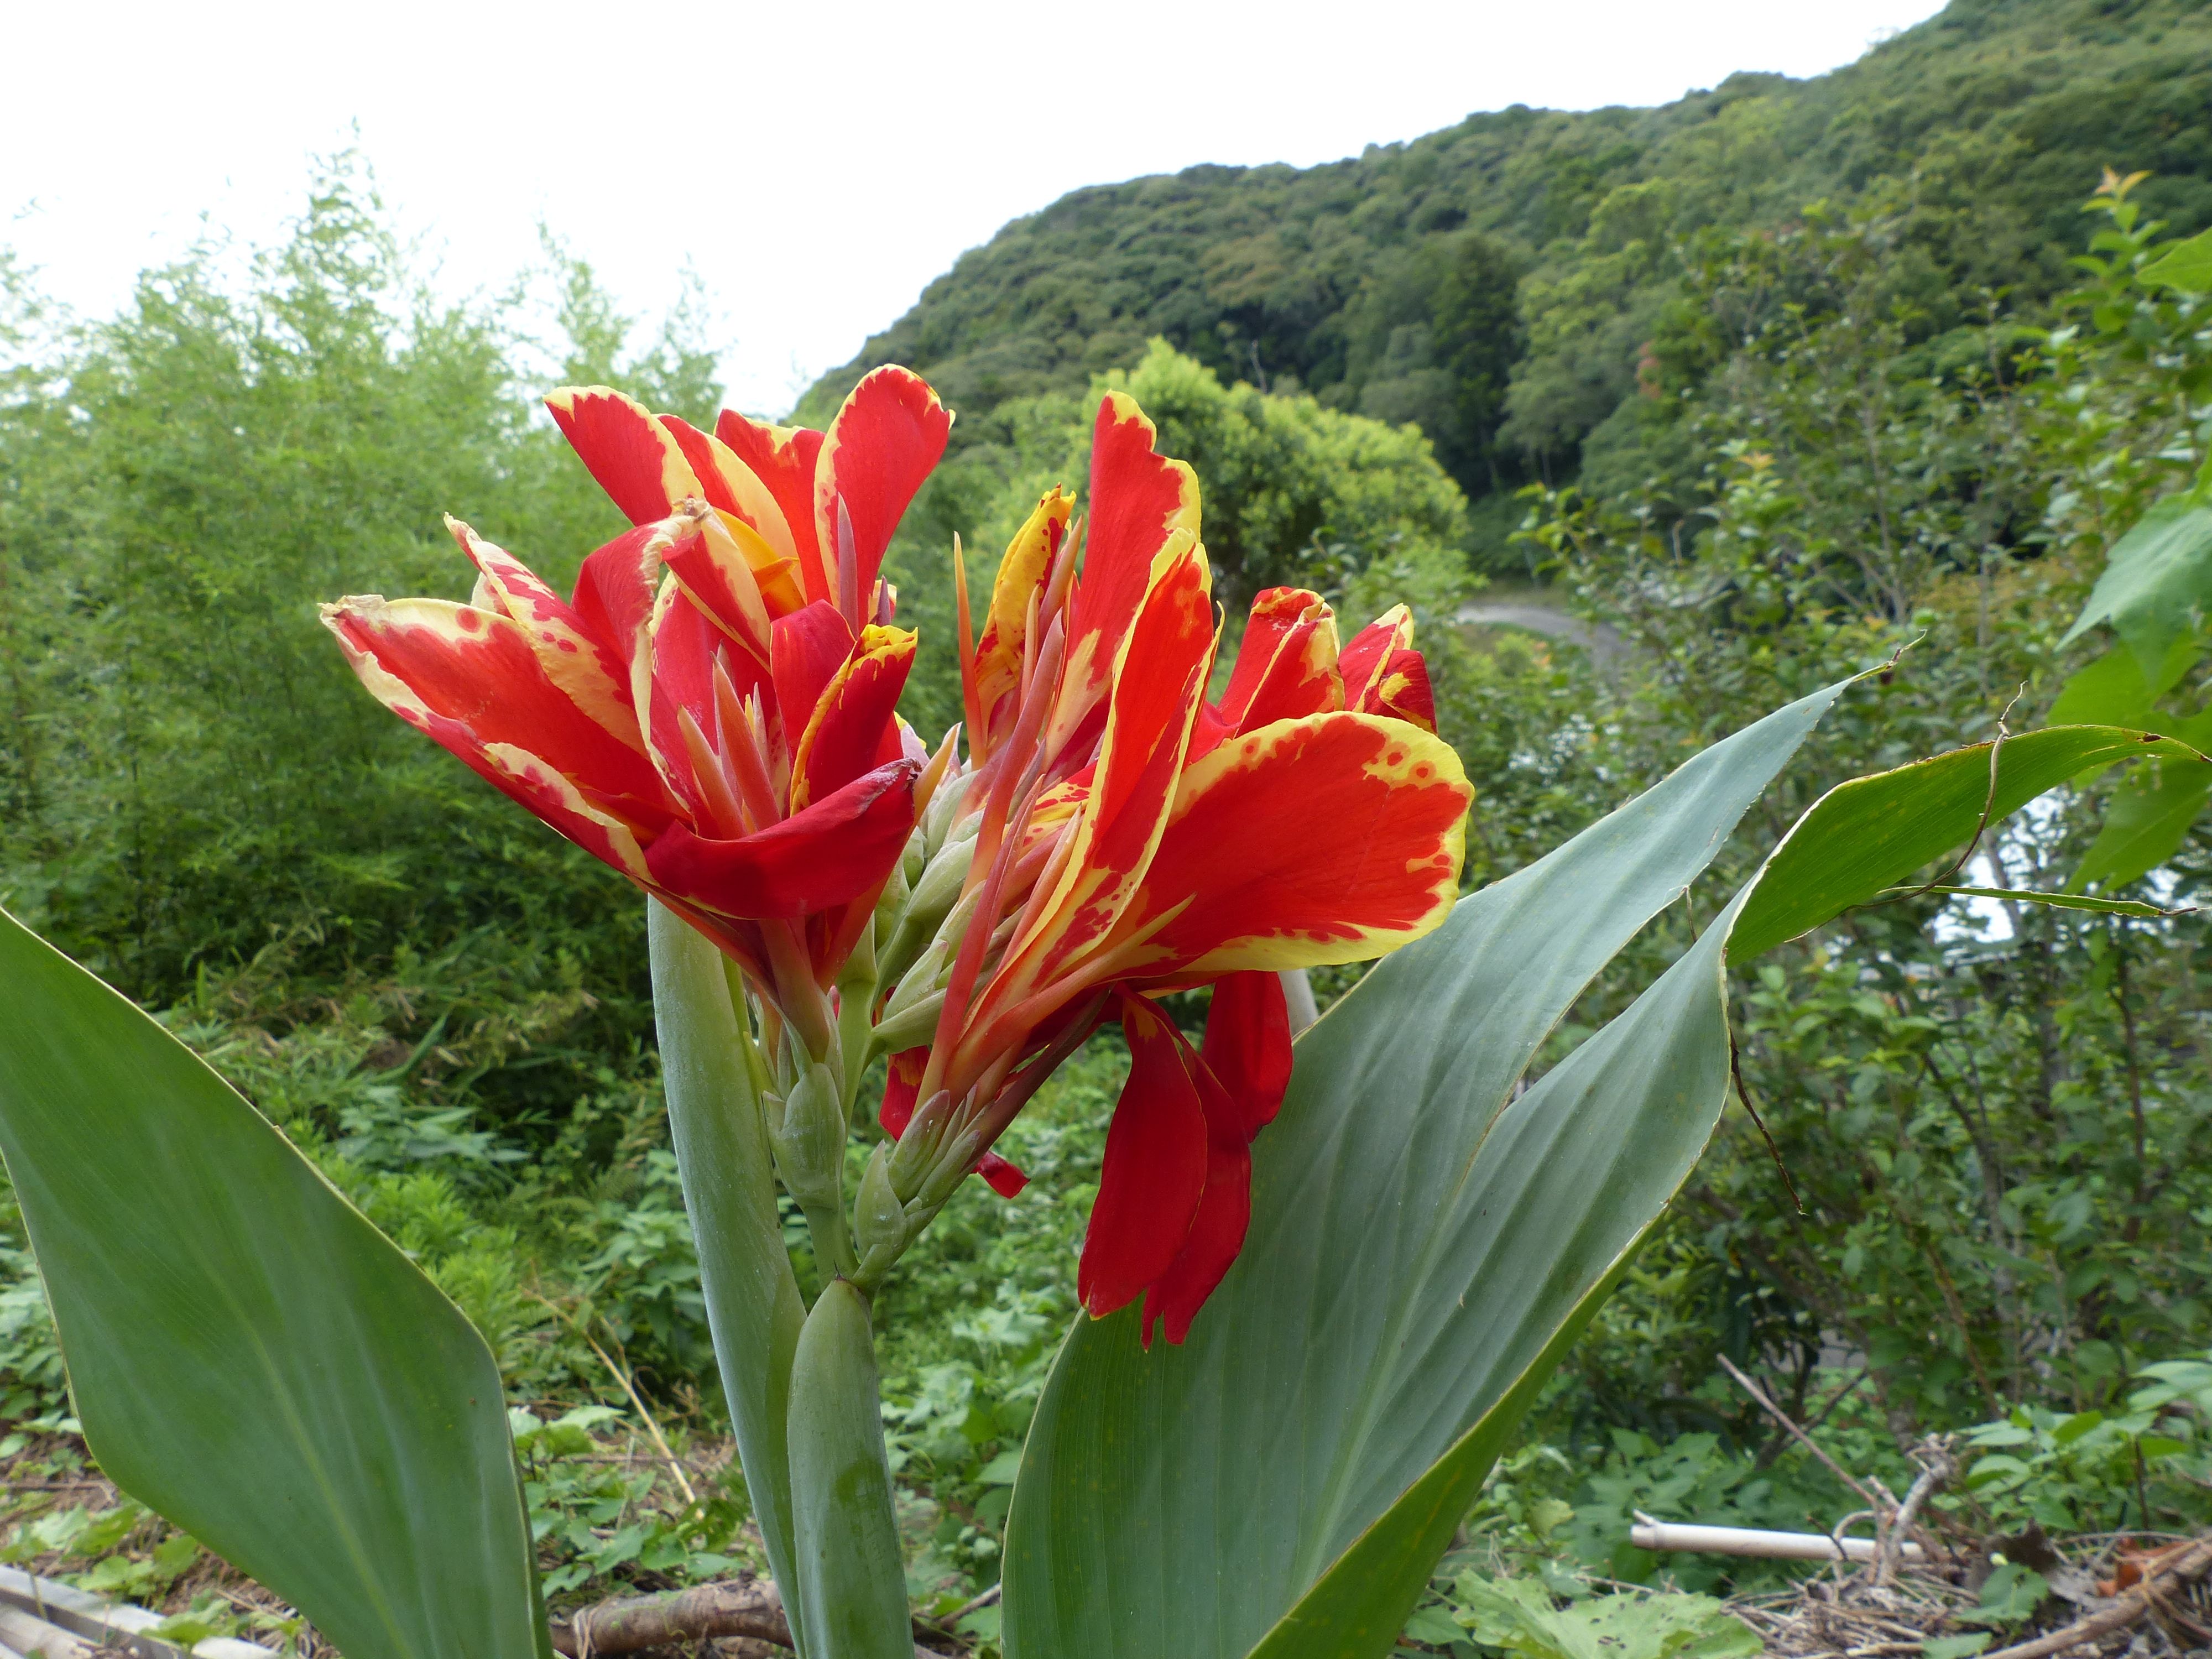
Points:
851	1582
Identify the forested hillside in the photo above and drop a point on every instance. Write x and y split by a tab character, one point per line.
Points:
1497	282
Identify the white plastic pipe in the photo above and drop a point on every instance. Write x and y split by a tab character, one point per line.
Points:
1747	1541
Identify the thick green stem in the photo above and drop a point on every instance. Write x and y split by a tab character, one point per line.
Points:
722	1146
852	1582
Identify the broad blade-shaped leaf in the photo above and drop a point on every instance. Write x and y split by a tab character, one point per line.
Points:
753	1303
2149	815
1864	835
2157	582
2186	266
249	1356
1183	1501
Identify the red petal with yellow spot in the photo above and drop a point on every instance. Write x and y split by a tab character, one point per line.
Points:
636	459
1286	665
1139	500
1329	839
1402	691
883	444
1362	660
472	680
785	458
837	849
1155	1167
844	736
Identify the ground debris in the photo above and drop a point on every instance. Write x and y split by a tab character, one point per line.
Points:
2147	1599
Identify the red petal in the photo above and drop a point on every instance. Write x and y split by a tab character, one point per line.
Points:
636	459
1139	500
901	1090
1155	1167
1006	1179
835	850
1216	1234
1248	1046
472	680
785	460
1286	665
807	648
1334	838
1402	691
732	485
617	586
846	734
883	444
1363	655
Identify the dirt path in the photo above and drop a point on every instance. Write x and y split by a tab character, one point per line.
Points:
1602	643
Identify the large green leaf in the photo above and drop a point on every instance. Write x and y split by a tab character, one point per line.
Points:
249	1356
2148	817
753	1305
2185	265
1418	1252
2157	581
1863	835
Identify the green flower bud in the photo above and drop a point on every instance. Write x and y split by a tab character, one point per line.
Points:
810	1139
879	1229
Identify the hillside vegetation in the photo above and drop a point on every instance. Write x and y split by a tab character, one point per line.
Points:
1496	282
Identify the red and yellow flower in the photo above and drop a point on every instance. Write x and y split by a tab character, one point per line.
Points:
711	711
1134	840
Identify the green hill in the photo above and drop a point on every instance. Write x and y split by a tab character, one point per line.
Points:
1495	281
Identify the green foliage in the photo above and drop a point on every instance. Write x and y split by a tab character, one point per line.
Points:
1519	1617
1500	281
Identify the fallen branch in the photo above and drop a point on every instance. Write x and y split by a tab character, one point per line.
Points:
744	1607
2185	1564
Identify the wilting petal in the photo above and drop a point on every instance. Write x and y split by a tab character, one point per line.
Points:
1286	667
1139	501
1021	579
732	487
1334	838
472	679
835	850
1248	1047
1402	691
636	460
785	460
1361	660
808	647
1154	1172
1004	1179
718	575
853	723
883	444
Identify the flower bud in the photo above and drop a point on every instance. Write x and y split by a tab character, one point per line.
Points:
879	1229
914	1023
910	1159
810	1139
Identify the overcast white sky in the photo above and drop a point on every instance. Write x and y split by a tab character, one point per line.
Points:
818	164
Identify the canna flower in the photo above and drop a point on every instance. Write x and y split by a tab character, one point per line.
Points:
1131	840
711	712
